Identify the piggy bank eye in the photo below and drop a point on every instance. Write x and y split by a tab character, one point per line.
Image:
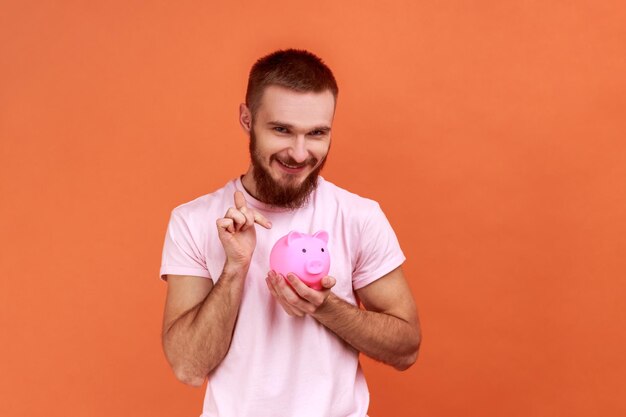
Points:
303	250
322	249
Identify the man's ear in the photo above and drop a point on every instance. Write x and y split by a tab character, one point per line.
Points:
245	117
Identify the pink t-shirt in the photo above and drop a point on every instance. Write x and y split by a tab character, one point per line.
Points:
279	365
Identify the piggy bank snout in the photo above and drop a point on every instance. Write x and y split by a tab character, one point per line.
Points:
314	266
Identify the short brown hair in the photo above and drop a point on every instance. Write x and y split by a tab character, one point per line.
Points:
295	69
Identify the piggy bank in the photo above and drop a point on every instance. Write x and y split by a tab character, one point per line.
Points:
304	255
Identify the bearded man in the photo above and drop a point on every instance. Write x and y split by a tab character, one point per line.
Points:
268	344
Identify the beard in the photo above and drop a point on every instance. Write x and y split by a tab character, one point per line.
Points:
289	195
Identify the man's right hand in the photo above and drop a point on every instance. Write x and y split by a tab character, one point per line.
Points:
237	232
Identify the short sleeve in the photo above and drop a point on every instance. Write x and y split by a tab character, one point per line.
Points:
181	253
378	250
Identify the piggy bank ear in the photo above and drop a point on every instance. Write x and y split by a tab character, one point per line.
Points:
322	235
292	236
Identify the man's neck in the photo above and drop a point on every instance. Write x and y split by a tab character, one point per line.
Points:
247	180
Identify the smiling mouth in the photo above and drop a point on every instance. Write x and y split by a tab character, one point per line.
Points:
290	166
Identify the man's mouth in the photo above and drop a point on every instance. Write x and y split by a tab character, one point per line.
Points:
291	166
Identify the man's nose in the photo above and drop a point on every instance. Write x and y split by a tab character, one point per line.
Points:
298	150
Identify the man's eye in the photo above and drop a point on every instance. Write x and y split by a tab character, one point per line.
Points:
317	132
280	129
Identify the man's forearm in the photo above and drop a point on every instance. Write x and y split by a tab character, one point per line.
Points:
380	336
198	341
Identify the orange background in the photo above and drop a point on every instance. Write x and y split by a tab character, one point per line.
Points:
492	133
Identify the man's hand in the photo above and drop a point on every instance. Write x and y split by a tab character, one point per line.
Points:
237	232
298	299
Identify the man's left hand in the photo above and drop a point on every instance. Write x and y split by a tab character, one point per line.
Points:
298	299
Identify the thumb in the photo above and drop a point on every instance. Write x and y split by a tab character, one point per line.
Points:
328	282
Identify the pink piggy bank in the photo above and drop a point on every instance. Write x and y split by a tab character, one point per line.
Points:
304	255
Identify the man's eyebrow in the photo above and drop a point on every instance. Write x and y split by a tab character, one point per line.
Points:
323	128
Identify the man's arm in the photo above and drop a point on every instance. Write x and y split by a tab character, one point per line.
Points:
387	331
198	322
200	317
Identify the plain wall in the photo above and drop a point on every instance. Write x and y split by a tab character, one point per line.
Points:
492	133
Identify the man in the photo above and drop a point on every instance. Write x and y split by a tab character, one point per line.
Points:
269	344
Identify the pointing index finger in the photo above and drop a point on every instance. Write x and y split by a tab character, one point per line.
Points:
240	202
262	220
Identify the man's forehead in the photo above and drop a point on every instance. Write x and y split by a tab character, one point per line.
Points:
296	108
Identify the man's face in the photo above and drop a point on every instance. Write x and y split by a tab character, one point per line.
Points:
289	142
